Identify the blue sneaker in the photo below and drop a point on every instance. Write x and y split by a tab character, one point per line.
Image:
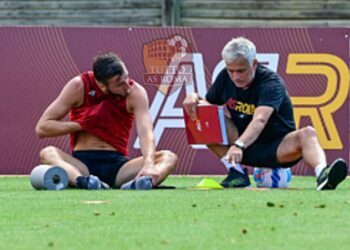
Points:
90	182
142	183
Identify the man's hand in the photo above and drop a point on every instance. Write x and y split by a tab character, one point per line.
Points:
190	105
234	155
83	117
149	170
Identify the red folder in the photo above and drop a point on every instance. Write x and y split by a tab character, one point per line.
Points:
209	127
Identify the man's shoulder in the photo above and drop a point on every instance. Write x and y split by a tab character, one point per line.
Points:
264	70
138	94
137	88
72	92
266	75
76	83
135	84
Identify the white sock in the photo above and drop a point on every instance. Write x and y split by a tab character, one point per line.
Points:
319	168
228	165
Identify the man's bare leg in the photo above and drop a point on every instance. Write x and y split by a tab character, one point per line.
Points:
53	156
304	143
165	163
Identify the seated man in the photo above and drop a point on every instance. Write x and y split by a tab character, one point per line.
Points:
103	105
261	130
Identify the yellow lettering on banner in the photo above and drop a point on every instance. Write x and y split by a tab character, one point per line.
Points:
321	108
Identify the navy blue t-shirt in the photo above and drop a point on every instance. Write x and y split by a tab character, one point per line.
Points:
267	89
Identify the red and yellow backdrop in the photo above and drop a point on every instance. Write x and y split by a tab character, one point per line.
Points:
36	62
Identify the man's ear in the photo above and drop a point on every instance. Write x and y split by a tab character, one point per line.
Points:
255	64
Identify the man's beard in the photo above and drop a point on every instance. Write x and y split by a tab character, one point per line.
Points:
124	95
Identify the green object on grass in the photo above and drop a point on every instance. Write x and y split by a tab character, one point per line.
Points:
208	183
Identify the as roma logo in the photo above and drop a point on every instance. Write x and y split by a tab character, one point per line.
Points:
166	63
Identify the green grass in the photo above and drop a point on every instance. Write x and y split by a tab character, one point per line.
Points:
175	219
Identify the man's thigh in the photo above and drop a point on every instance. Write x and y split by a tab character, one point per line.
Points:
54	156
129	171
266	155
289	149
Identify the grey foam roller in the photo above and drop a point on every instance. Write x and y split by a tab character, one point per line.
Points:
46	177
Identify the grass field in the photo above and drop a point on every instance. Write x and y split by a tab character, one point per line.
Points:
175	219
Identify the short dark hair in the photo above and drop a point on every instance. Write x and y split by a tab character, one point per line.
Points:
106	66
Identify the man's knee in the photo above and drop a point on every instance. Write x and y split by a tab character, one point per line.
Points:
169	156
307	133
48	153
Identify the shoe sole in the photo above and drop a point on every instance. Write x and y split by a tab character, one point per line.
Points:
238	186
335	176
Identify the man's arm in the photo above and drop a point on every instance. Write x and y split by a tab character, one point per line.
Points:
261	116
138	103
50	124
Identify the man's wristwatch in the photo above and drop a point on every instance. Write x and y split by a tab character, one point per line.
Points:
239	144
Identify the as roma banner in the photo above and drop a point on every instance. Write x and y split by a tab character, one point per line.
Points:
36	62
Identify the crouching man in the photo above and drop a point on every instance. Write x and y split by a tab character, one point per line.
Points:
264	134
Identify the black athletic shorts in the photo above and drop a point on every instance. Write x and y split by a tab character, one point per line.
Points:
265	155
103	164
